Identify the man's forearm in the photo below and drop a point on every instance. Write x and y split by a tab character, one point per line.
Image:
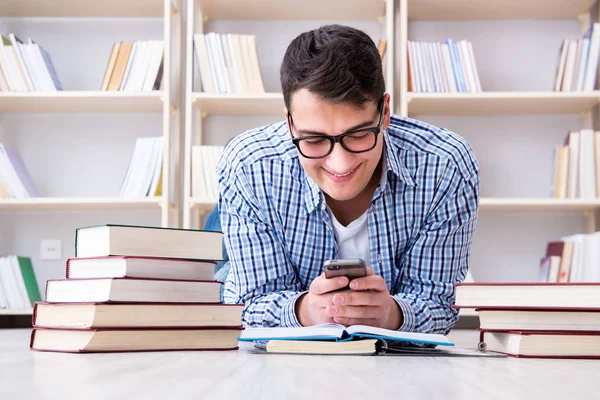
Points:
270	310
424	315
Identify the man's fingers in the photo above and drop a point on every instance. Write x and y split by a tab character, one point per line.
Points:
323	285
373	282
353	298
362	312
355	321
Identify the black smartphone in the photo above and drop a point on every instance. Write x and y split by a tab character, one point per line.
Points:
351	268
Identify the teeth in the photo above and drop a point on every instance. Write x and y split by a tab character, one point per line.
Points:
341	176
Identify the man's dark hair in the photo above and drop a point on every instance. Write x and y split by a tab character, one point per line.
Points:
338	63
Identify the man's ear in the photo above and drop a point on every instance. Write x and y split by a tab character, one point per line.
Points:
387	112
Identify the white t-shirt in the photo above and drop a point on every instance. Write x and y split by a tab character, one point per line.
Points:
353	240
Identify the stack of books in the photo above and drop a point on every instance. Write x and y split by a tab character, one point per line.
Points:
577	65
134	288
26	67
15	181
136	67
576	172
539	320
442	67
228	63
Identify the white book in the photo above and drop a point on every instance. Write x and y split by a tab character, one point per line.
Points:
156	59
10	175
212	57
135	74
441	66
583	64
134	49
449	68
591	69
16	72
22	290
474	67
9	283
570	65
435	67
46	78
337	332
7	69
202	59
413	71
465	61
560	69
587	170
426	64
573	179
32	70
158	165
21	60
229	61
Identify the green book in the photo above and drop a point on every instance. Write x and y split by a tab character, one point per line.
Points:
29	279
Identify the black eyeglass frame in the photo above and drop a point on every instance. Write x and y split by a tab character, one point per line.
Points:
339	138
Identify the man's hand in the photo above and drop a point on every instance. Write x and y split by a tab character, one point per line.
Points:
311	307
367	303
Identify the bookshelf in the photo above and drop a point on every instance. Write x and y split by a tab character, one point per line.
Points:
164	102
200	105
83	103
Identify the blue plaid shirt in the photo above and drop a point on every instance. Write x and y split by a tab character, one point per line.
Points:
278	233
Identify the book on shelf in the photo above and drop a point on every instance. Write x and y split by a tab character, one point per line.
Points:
204	172
573	258
139	267
227	63
135	67
15	180
577	62
576	168
147	241
127	340
26	67
542	344
442	67
18	283
143	177
135	315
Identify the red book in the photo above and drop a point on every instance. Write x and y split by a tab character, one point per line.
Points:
140	267
528	295
542	344
132	339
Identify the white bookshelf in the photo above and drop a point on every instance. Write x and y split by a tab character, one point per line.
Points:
200	105
16	311
81	203
164	102
507	9
83	102
82	8
501	103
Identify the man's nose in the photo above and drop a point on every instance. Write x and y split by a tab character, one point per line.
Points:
339	160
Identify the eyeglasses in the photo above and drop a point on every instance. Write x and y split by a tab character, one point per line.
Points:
355	141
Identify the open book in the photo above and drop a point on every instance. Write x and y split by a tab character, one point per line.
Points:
341	333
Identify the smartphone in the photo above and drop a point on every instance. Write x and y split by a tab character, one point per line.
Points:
351	268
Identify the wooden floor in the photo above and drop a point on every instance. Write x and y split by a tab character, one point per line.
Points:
25	374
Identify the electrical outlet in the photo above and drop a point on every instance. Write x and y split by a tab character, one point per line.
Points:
51	249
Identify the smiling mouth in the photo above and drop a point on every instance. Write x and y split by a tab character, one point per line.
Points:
342	175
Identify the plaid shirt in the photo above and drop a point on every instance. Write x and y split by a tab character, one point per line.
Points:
278	233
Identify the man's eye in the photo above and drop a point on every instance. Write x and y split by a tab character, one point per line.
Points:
359	136
315	142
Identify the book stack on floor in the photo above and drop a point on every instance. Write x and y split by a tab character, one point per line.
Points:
541	320
134	288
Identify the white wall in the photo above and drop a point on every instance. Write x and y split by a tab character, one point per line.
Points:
515	152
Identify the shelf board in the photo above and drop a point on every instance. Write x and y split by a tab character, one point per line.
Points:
202	204
16	311
537	205
239	104
78	8
292	10
79	203
501	103
505	9
73	102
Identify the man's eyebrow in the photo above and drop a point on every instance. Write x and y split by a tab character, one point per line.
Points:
352	128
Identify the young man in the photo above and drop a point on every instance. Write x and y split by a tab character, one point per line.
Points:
343	178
